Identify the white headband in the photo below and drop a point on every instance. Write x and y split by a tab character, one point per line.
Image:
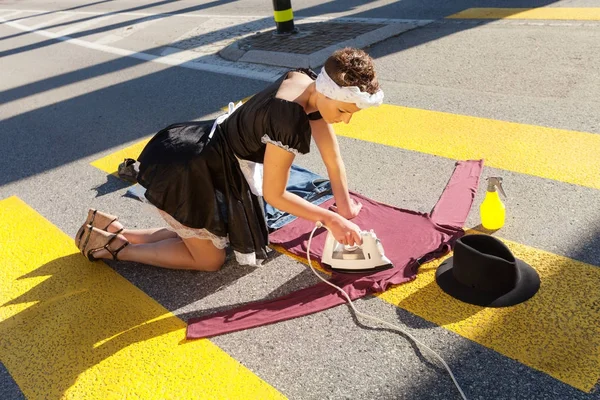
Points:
347	94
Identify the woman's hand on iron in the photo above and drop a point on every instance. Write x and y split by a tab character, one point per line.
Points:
352	210
344	231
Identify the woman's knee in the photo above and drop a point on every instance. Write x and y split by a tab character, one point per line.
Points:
205	256
215	264
212	263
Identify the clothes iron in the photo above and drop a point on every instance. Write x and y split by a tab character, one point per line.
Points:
367	257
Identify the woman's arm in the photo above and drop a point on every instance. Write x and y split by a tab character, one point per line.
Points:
327	144
277	164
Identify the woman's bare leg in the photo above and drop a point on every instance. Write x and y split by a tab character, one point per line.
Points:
172	252
137	236
152	235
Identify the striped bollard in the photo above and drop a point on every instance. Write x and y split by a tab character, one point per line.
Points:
284	17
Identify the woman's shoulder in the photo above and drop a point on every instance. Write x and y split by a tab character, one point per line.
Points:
296	84
301	75
279	99
307	72
298	77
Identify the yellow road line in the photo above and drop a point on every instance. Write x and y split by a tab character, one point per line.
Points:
74	329
557	154
556	332
549	13
110	163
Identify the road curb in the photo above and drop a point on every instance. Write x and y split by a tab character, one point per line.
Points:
243	52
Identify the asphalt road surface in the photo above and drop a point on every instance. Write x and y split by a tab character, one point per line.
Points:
520	93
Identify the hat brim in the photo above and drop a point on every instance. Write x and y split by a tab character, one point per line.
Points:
527	285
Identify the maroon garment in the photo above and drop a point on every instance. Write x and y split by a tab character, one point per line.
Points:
409	238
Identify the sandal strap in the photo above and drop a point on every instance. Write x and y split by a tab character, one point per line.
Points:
106	227
79	236
88	230
90	252
103	215
114	254
113	237
93	217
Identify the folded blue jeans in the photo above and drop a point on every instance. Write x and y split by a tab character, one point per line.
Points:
304	183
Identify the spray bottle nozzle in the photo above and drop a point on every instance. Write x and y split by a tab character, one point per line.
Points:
495	182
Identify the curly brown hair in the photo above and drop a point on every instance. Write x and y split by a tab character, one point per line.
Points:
352	67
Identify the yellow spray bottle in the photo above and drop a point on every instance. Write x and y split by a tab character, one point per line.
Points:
492	209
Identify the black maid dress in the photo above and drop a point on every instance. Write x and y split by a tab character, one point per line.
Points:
199	184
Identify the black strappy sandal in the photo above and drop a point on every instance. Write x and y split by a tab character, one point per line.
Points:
101	220
97	219
94	239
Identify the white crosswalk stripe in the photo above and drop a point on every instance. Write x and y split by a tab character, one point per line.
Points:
51	22
83	25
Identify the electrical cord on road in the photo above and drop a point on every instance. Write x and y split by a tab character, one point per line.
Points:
319	225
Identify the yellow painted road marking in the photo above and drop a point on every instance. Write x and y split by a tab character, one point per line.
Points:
557	154
110	163
549	13
556	332
74	329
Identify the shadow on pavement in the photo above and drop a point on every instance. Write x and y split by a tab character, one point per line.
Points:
88	124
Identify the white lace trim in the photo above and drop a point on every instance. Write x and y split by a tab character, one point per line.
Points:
218	241
253	172
267	139
186	232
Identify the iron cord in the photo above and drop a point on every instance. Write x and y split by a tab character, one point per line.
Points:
319	225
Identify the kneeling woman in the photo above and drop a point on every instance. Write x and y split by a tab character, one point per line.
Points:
208	178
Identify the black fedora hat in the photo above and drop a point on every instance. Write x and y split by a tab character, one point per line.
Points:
483	271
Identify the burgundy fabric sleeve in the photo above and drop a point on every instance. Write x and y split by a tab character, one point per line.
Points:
299	303
455	202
